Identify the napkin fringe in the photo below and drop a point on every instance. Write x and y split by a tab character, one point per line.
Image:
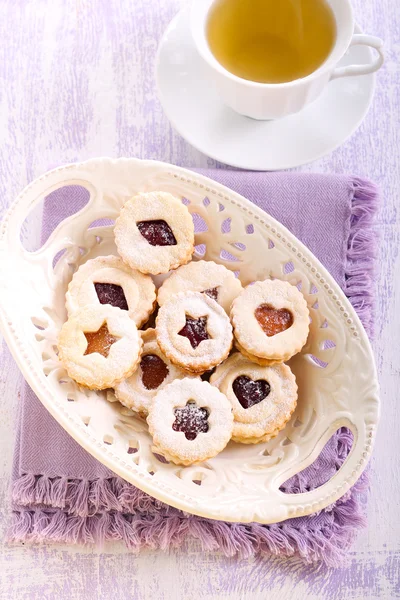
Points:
83	497
327	542
361	250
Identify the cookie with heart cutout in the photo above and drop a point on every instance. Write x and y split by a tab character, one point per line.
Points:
263	398
270	321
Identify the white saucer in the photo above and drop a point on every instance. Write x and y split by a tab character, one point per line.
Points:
198	114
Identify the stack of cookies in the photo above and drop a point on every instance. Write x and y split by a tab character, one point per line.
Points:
212	368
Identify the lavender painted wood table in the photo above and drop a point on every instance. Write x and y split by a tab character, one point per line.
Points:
77	82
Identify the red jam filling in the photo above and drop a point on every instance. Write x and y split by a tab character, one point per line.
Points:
212	293
195	330
273	320
110	293
191	420
154	371
250	392
157	233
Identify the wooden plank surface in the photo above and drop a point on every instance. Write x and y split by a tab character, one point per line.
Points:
76	82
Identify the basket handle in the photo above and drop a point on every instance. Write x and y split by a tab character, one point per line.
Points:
33	194
306	503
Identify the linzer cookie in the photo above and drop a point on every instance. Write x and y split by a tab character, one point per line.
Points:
262	398
99	346
270	321
154	233
194	331
154	372
202	276
190	421
108	280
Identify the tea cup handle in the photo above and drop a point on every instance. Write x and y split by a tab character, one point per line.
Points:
364	40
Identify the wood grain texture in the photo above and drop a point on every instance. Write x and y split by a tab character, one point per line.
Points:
76	83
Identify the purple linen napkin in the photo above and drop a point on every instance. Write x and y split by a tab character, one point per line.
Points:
60	493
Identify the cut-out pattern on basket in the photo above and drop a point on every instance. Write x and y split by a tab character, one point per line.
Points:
334	453
208	227
254	248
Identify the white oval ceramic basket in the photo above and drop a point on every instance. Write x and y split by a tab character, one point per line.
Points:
335	371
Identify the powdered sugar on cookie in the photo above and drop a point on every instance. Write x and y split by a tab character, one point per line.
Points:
202	276
270	321
193	331
263	398
190	421
154	233
108	280
99	345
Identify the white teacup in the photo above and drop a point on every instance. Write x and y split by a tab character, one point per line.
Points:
274	100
